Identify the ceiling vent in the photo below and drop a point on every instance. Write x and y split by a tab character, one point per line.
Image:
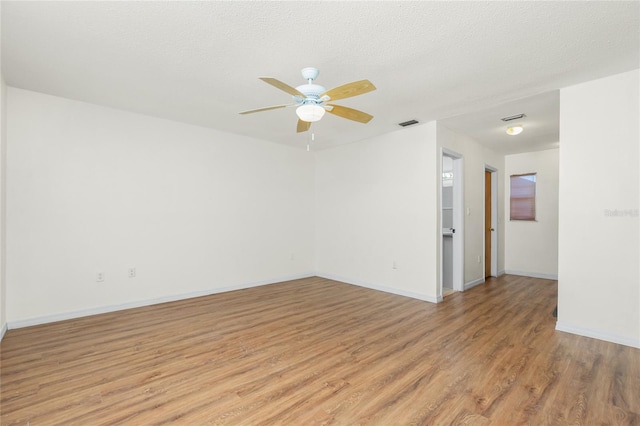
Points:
408	123
513	117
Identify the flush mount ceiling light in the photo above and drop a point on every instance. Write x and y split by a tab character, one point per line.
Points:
310	112
514	130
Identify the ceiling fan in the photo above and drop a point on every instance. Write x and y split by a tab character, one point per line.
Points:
312	99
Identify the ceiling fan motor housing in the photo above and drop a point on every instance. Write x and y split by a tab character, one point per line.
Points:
312	92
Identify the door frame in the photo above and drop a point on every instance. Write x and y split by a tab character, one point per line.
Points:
494	219
458	219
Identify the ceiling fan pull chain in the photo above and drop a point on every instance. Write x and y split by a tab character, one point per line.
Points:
313	138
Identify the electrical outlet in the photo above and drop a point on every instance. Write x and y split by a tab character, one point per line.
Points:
99	277
479	259
395	265
132	272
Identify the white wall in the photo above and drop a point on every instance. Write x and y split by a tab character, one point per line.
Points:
531	247
3	158
476	158
376	205
195	210
3	145
598	292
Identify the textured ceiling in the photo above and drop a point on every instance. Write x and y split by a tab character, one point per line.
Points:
541	124
199	62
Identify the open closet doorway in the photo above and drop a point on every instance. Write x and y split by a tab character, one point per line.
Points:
452	235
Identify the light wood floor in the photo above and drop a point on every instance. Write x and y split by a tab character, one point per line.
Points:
316	351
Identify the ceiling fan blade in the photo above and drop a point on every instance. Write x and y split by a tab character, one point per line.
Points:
350	89
303	126
282	86
265	109
349	113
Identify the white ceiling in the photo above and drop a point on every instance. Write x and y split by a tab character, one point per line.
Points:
541	124
199	62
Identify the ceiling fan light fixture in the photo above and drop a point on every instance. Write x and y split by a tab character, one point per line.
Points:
311	99
514	130
310	112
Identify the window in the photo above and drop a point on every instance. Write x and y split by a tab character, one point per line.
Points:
523	197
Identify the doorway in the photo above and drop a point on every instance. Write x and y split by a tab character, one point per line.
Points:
451	220
490	222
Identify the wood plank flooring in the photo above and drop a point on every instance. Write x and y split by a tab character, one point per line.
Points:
316	351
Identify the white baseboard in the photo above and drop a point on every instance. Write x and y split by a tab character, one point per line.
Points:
598	334
473	283
501	272
532	274
377	287
3	330
137	304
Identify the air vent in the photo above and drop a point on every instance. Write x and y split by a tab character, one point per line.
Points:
408	123
513	117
